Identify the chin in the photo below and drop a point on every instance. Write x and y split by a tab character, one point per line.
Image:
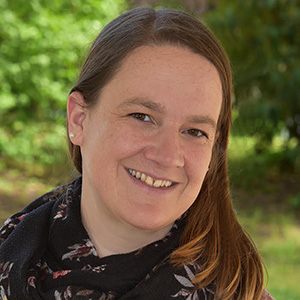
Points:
150	223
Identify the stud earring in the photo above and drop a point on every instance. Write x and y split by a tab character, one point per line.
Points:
71	135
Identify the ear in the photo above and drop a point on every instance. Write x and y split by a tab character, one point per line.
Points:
77	110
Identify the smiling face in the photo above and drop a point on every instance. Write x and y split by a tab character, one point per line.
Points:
147	144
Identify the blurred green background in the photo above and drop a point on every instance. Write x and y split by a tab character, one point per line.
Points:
42	46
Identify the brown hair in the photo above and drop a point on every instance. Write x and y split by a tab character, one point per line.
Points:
213	234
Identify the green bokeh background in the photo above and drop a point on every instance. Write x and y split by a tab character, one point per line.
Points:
42	46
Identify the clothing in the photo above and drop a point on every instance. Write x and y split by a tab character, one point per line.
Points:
46	253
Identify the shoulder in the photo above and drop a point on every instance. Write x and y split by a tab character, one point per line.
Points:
11	223
266	296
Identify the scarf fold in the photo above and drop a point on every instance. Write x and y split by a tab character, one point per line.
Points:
46	253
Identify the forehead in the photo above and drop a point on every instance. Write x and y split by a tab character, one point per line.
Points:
169	58
168	75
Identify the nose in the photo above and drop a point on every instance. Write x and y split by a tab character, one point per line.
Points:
165	150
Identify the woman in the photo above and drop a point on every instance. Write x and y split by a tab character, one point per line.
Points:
151	217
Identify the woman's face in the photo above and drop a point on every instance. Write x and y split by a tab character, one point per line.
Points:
147	144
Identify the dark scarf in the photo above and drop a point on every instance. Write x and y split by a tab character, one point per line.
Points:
46	253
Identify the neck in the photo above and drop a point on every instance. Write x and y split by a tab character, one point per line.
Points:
111	236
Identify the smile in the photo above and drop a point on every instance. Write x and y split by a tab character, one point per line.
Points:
157	183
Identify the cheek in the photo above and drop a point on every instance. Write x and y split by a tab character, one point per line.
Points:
125	141
197	165
107	148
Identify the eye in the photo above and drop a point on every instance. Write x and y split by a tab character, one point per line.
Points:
196	133
141	117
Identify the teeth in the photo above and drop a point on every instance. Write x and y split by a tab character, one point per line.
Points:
149	180
157	183
168	183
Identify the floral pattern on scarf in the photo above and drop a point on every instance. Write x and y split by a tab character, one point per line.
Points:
46	253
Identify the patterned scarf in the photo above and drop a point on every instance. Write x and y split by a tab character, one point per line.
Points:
46	253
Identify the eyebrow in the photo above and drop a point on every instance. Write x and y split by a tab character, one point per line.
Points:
197	119
143	103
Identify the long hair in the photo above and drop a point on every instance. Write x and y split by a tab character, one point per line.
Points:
212	234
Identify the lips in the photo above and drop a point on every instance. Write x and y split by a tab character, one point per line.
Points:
157	183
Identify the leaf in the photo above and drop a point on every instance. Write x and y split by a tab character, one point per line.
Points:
189	272
195	296
184	281
182	292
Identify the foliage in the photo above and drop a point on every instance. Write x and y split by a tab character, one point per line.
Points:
275	172
263	43
42	45
278	240
196	7
262	39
